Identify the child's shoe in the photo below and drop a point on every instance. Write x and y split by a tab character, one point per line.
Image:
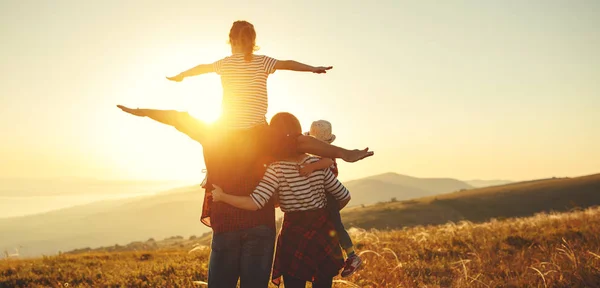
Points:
352	264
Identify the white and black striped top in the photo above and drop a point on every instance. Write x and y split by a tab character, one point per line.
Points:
244	89
298	193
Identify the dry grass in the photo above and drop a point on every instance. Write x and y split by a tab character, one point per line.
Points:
547	250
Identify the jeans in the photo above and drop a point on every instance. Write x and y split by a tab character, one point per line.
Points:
334	211
291	282
245	254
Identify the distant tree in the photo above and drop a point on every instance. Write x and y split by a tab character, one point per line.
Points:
394	199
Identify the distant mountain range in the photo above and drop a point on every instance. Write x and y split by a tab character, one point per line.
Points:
482	204
166	214
172	213
384	187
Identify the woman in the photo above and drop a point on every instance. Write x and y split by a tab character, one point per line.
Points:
307	250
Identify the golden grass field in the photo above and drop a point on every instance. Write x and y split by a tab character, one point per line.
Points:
546	250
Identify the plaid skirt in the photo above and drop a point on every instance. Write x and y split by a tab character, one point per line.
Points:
307	248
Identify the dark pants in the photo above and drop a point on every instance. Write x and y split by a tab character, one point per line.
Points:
334	211
291	282
245	254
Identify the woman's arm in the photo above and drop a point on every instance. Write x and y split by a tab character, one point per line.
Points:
198	70
258	199
242	202
300	67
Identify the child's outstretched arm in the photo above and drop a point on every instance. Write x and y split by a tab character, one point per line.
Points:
300	67
308	169
198	70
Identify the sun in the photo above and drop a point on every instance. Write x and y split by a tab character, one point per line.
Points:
203	98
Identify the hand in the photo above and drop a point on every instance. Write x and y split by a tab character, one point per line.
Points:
176	78
306	170
321	70
352	156
217	193
136	112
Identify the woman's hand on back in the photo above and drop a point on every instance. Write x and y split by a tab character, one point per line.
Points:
306	170
217	193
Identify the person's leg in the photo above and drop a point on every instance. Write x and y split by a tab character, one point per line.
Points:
258	246
292	282
336	219
353	261
323	283
224	263
182	121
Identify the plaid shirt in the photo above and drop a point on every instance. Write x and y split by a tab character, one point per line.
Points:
236	162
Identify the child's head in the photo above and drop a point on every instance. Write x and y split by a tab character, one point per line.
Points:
242	38
286	123
322	130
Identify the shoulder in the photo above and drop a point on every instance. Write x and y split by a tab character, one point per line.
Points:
260	57
312	159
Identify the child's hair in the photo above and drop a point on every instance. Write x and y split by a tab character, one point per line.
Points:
286	123
242	34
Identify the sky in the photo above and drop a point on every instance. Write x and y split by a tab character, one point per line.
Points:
462	89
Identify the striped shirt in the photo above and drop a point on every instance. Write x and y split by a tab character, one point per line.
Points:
244	89
298	193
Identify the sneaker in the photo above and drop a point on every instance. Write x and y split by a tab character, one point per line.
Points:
352	264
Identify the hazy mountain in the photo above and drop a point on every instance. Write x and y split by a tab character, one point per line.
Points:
482	204
386	186
172	213
106	223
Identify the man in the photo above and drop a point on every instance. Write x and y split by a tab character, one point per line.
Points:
243	241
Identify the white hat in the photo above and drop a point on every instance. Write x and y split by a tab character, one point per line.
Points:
322	130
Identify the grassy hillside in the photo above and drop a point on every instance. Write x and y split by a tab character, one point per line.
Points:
547	250
512	200
487	183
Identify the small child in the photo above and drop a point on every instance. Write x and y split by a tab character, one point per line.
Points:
322	130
